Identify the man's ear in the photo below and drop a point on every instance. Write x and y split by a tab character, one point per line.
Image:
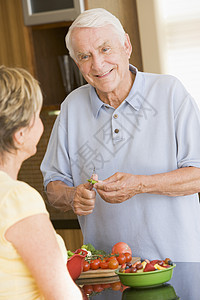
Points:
19	136
128	46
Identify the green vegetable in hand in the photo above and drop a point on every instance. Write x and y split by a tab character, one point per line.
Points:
92	181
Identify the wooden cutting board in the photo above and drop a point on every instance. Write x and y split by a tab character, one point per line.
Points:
97	280
103	272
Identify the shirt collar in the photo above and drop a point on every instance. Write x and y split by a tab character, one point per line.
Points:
97	104
135	98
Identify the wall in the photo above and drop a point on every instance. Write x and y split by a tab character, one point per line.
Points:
150	35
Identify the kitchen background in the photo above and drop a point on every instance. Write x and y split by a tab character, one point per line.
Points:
41	50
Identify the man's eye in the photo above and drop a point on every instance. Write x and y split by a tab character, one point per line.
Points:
106	49
83	57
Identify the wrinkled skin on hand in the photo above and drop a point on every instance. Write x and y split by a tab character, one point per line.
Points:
119	187
84	200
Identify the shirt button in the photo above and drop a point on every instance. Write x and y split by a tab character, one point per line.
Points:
116	130
115	116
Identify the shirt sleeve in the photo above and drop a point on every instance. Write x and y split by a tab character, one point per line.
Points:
20	202
55	165
187	123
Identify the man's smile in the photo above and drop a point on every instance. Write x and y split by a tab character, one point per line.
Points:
104	74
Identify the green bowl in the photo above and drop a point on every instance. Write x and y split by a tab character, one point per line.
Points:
162	292
146	279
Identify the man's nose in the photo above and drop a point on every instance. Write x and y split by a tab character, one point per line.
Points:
97	62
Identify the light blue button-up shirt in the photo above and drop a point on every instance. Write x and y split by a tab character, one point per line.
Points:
156	129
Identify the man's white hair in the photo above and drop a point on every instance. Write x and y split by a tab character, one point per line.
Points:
96	17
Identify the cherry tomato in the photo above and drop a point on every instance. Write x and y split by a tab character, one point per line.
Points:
133	270
139	266
116	286
94	265
88	289
86	266
105	285
121	258
113	264
104	264
128	270
121	247
97	288
128	257
111	258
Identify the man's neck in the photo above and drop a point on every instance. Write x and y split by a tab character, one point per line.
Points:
116	97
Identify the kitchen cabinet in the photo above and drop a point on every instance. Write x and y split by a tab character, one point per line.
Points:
16	45
37	48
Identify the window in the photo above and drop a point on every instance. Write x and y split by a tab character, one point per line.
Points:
176	39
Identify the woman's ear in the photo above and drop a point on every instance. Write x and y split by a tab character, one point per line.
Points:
128	46
19	136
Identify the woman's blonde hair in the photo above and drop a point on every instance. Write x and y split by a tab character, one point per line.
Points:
95	17
20	99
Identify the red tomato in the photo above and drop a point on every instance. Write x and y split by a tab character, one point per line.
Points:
104	264
111	258
113	264
128	257
105	285
128	270
88	289
97	288
121	247
94	265
116	286
121	258
86	266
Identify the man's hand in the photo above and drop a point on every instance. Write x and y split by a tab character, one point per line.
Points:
84	199
122	186
119	187
81	198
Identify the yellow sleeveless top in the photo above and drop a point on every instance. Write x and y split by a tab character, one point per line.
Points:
17	201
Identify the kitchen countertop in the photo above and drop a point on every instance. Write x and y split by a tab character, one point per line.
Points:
184	285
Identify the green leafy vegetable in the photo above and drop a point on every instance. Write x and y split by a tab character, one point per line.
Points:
90	247
70	253
92	181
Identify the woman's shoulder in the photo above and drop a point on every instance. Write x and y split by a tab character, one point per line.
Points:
20	198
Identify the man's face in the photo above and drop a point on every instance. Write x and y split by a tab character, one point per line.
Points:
101	57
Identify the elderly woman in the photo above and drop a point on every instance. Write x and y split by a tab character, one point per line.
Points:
32	256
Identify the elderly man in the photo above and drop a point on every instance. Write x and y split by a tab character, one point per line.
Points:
141	132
